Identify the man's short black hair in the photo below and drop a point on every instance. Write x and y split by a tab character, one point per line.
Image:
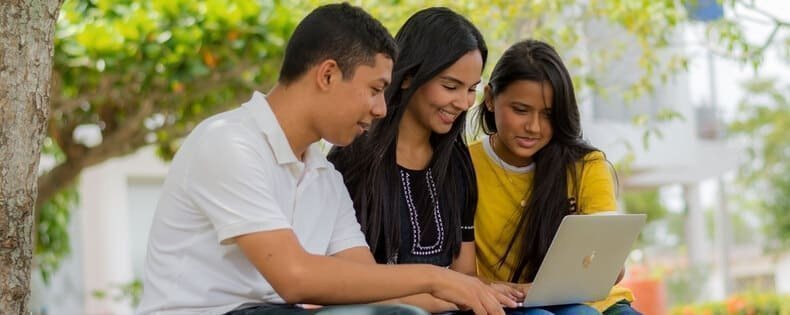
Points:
340	32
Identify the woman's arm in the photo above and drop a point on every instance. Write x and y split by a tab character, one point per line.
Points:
465	262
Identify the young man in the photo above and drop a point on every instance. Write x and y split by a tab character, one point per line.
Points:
253	218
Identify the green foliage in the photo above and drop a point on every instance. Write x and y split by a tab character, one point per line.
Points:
740	230
145	72
52	235
648	202
624	165
742	304
163	66
727	37
130	292
684	285
160	65
764	118
645	201
642	20
764	113
778	207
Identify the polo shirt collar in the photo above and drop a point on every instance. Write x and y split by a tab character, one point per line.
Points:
267	123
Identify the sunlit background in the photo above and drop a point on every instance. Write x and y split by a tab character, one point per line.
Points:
689	99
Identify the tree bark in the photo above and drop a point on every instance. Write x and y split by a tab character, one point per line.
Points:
26	43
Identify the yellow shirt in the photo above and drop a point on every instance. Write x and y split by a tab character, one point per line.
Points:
501	187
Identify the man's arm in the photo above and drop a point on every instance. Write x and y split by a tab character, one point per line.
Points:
358	254
423	301
301	277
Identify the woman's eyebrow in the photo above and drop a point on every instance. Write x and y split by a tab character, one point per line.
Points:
456	80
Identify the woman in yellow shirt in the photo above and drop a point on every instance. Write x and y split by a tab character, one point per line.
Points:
533	168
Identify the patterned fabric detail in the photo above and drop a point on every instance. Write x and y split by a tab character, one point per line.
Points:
417	247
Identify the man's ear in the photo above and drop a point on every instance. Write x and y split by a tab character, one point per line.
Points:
327	72
488	98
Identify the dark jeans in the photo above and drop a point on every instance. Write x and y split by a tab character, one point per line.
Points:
274	309
570	309
621	308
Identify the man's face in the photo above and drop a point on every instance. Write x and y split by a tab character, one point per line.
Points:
354	102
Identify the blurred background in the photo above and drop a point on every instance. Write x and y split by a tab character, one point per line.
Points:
688	98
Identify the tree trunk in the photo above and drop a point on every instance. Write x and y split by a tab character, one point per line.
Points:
26	42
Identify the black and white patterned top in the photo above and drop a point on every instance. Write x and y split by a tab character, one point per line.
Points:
424	221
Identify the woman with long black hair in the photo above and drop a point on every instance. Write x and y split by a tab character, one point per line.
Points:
411	177
534	168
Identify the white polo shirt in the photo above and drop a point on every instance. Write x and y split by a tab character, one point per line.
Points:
236	174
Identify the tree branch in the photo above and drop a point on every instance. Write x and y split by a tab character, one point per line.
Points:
753	7
123	140
64	106
126	136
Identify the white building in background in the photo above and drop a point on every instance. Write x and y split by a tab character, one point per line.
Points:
683	151
109	235
691	153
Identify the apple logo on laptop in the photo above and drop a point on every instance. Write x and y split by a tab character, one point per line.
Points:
587	261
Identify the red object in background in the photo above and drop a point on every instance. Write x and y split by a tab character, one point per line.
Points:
648	291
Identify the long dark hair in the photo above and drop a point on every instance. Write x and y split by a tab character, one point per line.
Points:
429	42
555	163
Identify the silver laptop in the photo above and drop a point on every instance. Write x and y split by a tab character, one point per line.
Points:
584	258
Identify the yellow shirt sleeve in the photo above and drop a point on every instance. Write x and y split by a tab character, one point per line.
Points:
596	192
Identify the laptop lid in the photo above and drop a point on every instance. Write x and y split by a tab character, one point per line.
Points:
584	259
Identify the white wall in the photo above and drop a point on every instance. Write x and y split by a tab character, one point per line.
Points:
783	274
117	199
143	196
